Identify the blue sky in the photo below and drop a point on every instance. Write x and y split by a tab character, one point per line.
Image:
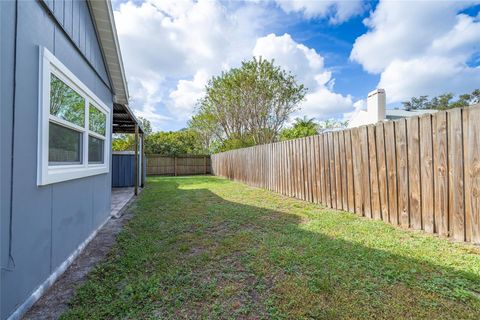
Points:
340	50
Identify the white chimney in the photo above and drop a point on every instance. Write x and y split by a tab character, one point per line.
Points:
376	102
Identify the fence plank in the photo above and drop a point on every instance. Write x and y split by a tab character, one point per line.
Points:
349	171
343	170
391	155
382	170
316	194
328	190
367	197
321	158
402	172
440	160
307	171
472	173
455	168
372	163
297	169
426	168
291	179
331	156
413	143
338	170
358	171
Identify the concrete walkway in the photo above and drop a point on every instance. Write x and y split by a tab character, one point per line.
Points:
120	197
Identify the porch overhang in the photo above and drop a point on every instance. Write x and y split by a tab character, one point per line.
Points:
124	120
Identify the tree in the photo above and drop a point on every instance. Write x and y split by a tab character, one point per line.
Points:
302	127
443	101
331	124
416	103
247	105
123	142
208	132
173	143
146	125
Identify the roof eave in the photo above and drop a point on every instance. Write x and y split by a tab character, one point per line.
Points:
104	21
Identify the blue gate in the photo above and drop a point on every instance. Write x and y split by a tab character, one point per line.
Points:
122	170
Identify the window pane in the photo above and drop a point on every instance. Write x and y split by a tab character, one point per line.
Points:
64	145
95	150
97	120
66	103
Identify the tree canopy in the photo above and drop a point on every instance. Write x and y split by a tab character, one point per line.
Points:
247	105
173	143
442	102
304	127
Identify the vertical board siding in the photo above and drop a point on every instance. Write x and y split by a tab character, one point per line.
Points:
74	17
419	173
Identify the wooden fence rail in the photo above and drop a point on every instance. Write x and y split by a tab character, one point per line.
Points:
177	166
420	173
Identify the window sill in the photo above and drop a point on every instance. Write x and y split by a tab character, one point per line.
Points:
58	174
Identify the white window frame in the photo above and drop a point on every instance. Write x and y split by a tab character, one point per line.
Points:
48	174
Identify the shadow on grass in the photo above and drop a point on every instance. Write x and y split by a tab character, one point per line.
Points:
191	253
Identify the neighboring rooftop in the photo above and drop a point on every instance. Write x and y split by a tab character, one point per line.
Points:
393	114
376	111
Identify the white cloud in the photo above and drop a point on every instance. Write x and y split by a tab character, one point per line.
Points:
187	93
420	48
337	11
308	66
163	40
171	48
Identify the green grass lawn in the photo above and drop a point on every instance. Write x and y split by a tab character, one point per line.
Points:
208	248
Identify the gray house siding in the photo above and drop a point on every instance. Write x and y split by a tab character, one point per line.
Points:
6	86
75	19
49	222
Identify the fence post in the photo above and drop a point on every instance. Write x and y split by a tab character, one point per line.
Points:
205	163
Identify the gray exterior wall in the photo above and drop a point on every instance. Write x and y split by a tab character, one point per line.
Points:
48	223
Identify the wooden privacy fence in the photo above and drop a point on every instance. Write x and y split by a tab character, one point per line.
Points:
421	172
180	165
